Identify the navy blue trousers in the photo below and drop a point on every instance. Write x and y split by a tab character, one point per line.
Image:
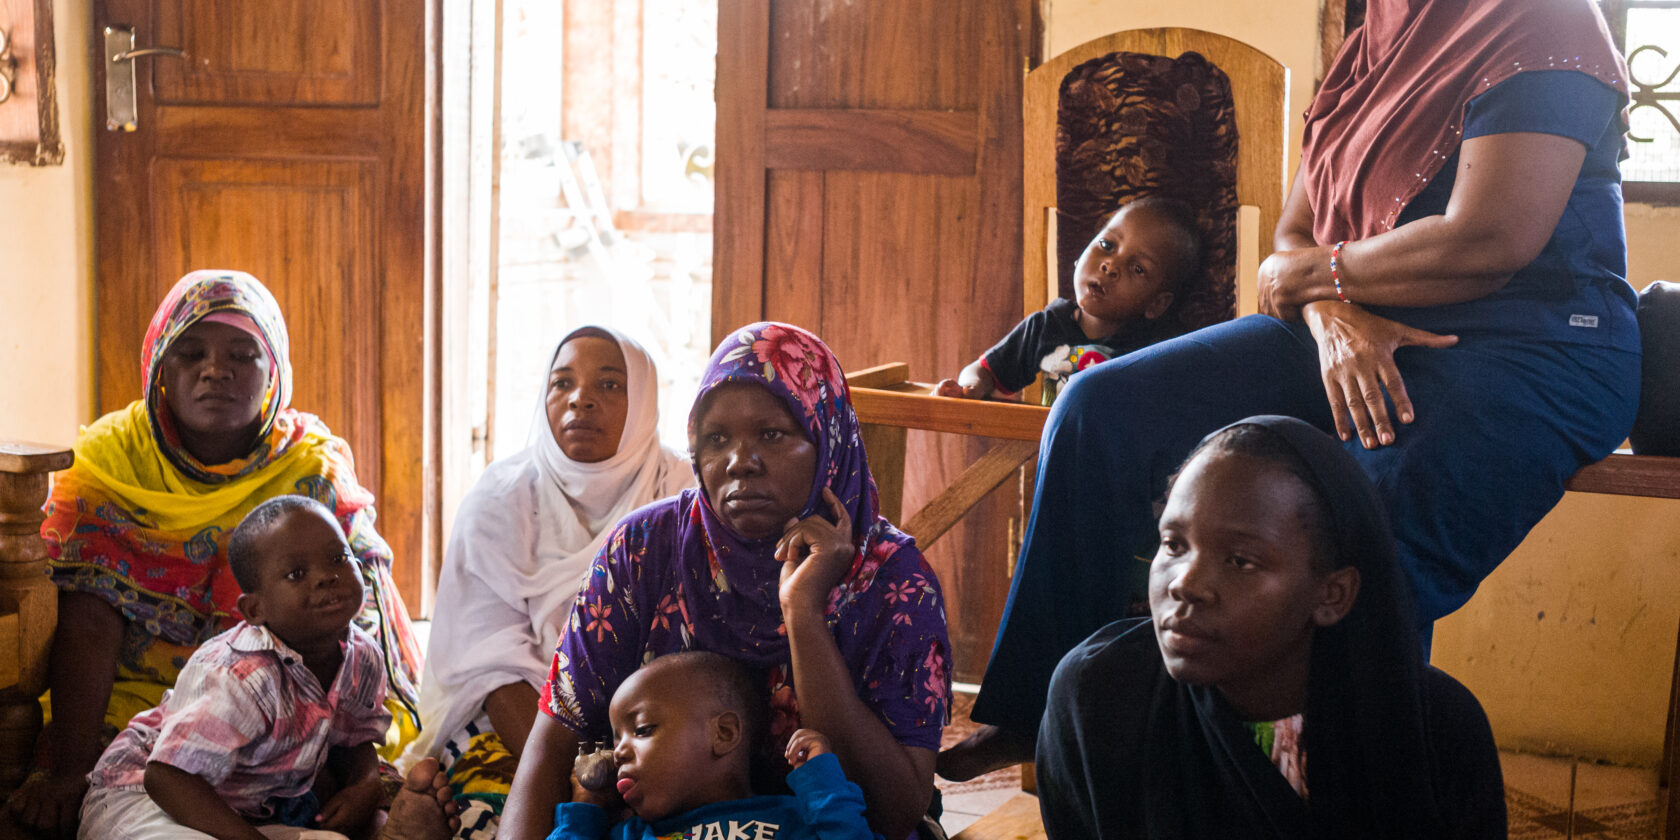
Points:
1501	424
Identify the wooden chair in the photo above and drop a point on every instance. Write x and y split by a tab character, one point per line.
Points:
888	404
1259	88
28	601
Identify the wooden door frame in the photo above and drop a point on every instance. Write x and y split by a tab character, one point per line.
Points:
743	91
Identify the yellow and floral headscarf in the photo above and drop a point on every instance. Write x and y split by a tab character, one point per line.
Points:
143	524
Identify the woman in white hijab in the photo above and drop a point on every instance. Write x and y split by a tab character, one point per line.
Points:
523	539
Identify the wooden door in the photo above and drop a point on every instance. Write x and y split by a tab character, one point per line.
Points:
290	143
869	172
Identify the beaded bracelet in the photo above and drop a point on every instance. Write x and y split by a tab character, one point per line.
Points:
1336	277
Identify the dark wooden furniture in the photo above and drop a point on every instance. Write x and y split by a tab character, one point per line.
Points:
28	601
1258	86
869	190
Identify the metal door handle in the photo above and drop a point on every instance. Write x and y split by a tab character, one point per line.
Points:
121	110
145	51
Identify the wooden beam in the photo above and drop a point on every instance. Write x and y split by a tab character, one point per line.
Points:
983	476
886	448
879	376
919	141
920	410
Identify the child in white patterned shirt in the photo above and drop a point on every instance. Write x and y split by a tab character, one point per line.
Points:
236	749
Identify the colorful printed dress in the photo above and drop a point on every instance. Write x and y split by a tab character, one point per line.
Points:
142	524
673	577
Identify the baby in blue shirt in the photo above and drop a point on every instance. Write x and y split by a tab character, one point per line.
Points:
685	727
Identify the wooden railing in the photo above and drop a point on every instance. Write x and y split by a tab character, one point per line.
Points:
28	601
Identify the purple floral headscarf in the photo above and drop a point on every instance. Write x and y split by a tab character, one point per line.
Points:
802	372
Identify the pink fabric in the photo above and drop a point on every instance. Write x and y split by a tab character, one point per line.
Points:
1391	109
250	718
1287	752
239	321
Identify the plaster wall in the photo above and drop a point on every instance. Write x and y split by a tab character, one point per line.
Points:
46	263
1570	644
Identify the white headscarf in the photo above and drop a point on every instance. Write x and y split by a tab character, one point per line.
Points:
523	539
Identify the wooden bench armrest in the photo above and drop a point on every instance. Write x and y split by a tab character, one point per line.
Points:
883	396
1622	474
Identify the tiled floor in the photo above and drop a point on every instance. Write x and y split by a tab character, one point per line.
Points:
1558	797
966	802
971	804
1545	798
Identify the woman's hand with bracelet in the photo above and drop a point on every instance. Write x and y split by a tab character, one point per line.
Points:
1356	361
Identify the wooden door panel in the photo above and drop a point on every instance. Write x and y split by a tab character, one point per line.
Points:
910	298
290	145
910	54
793	247
299	52
915	141
868	187
897	298
300	226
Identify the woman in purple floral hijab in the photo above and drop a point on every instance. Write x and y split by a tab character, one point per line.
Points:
781	561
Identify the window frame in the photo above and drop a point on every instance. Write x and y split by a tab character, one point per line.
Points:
1615	13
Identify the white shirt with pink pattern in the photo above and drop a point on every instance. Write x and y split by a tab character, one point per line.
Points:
250	718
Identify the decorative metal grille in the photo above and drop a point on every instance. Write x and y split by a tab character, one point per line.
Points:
1648	33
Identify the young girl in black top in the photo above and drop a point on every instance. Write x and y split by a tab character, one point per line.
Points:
1279	690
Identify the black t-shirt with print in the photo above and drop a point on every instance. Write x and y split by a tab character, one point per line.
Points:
1050	342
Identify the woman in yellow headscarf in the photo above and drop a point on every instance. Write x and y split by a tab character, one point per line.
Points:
137	529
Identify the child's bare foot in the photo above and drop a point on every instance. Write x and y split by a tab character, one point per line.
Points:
424	809
49	803
989	748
